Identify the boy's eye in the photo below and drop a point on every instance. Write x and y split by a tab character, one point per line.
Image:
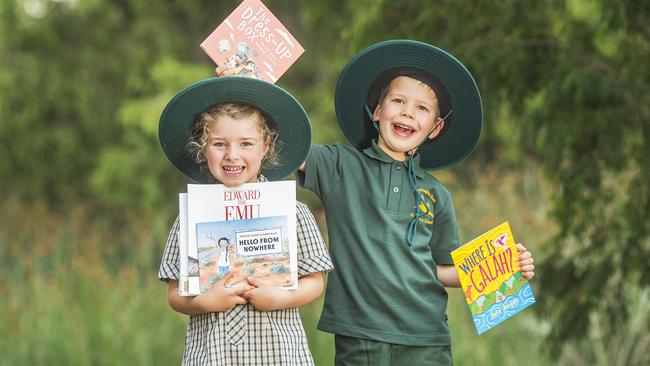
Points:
423	108
397	100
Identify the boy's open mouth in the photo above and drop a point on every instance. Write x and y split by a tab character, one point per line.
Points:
233	170
403	130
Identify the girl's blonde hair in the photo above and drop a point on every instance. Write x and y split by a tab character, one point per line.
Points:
200	130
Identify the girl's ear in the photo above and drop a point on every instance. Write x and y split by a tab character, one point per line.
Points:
267	144
440	124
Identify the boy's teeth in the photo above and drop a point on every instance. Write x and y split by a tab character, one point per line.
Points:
404	128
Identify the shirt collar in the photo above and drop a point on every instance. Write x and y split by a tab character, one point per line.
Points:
375	152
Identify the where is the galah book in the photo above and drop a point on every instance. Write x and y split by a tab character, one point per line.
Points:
252	42
494	288
249	230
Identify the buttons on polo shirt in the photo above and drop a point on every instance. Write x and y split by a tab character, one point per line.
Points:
398	167
395	190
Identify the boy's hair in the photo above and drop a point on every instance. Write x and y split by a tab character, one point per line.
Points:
200	130
386	88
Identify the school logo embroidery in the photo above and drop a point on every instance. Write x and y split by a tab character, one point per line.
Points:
426	207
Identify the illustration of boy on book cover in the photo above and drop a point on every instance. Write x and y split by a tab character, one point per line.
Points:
494	288
252	42
255	247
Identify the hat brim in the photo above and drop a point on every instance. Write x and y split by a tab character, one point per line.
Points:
459	137
294	128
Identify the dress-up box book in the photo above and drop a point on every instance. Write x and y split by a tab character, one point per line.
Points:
249	230
494	288
252	42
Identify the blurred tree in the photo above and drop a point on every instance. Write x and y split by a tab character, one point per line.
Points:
565	82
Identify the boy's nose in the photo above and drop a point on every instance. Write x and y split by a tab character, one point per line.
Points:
407	111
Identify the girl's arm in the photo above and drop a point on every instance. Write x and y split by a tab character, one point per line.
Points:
269	298
218	298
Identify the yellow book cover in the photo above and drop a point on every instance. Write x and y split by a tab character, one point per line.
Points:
494	288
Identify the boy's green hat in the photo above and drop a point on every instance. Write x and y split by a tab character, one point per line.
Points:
372	68
294	128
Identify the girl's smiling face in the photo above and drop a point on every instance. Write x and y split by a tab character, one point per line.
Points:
234	150
406	116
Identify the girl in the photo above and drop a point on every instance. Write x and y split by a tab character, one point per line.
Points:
237	140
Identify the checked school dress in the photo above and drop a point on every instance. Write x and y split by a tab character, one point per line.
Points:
243	335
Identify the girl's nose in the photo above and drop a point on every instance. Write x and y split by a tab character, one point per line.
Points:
231	153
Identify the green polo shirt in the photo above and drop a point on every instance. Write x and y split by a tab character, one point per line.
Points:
381	288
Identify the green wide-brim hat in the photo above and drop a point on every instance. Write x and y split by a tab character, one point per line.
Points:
286	113
463	126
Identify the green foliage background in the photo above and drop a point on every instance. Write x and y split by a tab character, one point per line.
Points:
88	195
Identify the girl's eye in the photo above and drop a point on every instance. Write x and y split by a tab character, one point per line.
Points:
246	143
423	108
218	144
398	100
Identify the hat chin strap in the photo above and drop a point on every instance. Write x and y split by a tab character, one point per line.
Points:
419	200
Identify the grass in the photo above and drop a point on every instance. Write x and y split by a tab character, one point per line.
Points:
81	289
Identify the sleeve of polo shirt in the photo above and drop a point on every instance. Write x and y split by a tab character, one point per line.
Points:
170	263
322	170
445	234
312	253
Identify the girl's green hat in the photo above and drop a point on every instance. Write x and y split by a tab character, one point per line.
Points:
285	112
371	69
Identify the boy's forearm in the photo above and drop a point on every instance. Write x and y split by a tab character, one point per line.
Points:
310	287
447	275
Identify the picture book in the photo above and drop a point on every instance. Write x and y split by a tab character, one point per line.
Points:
189	266
249	230
252	42
183	280
489	273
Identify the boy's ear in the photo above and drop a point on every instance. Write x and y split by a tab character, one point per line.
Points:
375	114
438	129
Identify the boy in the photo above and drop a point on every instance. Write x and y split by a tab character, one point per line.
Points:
391	225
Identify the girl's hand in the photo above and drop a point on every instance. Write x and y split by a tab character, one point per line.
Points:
221	298
265	297
525	260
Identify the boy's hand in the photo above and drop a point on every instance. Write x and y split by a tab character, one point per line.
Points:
223	71
264	297
221	298
525	260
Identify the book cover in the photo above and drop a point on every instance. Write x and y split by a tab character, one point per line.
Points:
249	230
255	247
252	42
494	288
